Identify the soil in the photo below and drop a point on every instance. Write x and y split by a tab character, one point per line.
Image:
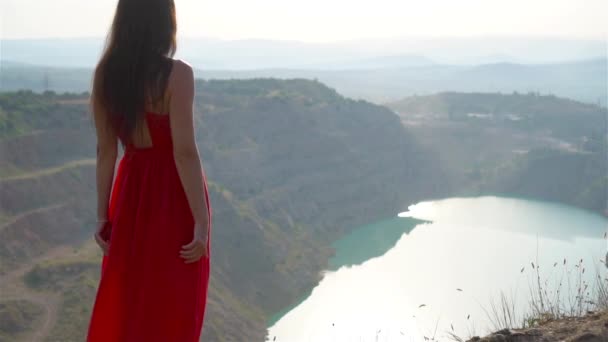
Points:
591	328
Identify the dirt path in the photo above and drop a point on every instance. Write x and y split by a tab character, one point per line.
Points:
50	170
16	218
12	287
49	302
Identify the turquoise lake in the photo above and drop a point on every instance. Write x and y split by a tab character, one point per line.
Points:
438	268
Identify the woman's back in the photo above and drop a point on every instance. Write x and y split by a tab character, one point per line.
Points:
156	111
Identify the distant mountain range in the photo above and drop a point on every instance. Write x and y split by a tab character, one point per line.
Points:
377	70
583	80
379	79
214	54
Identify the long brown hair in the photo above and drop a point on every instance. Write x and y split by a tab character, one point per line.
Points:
135	66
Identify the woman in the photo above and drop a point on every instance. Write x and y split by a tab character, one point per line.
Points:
154	229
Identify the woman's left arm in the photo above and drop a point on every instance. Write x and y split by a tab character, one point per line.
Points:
107	150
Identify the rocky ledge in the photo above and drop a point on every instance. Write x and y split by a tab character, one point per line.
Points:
591	328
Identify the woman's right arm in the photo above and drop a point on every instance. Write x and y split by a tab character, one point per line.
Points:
187	160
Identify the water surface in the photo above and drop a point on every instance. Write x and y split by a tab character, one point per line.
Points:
438	267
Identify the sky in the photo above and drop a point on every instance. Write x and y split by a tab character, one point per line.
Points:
322	20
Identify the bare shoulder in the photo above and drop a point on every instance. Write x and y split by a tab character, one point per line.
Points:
182	74
181	89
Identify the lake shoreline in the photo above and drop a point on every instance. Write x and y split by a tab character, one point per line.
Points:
361	237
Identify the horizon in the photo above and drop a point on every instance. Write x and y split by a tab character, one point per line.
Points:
603	39
243	54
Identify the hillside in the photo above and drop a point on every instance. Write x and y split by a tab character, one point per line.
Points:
292	165
530	113
516	144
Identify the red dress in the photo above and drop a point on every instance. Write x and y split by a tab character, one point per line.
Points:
147	292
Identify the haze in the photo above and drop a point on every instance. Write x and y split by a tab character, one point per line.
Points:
322	21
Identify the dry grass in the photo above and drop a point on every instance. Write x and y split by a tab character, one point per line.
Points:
569	296
558	292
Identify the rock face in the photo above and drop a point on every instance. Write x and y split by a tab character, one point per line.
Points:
524	145
591	328
326	160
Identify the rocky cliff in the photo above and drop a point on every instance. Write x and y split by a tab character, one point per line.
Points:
292	165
